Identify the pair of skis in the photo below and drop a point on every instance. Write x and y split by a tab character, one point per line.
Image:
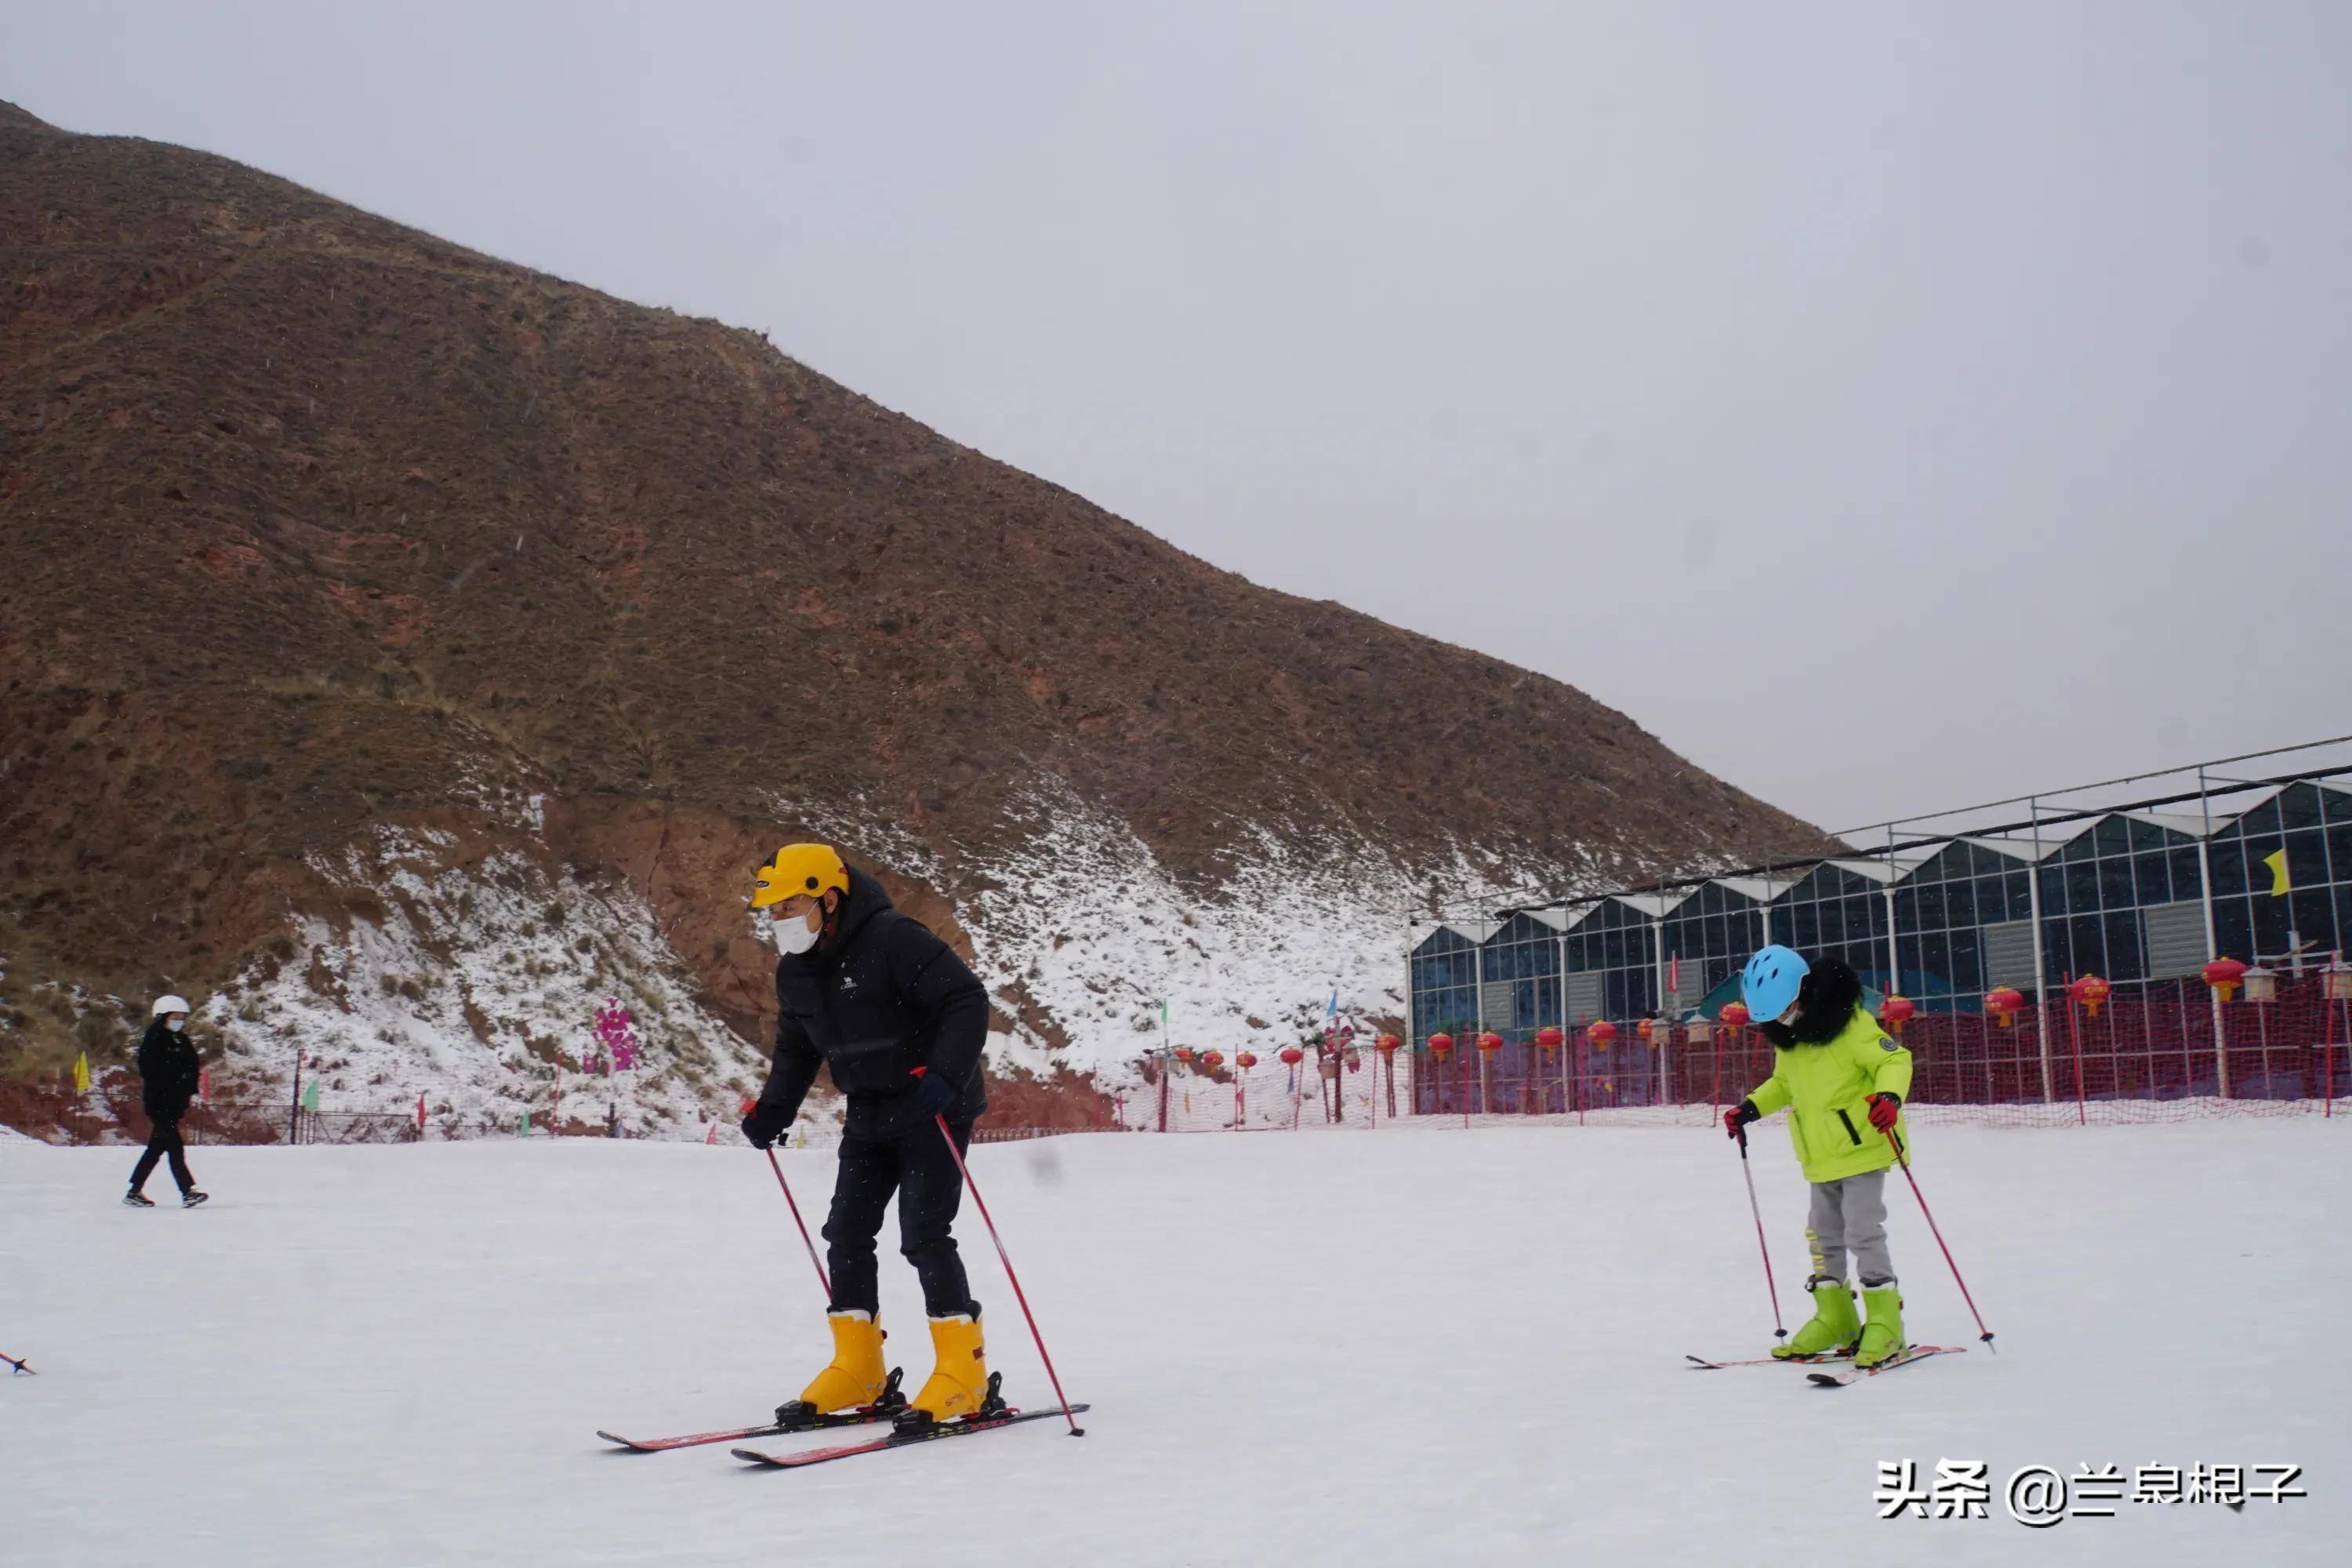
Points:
991	1416
1851	1374
1005	1416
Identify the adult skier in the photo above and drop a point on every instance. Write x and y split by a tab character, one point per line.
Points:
1843	1081
877	997
169	1072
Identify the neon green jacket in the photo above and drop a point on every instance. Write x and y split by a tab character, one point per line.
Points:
1825	1089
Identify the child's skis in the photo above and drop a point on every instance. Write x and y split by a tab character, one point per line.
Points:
1904	1357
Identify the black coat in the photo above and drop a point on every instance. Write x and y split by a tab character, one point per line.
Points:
879	996
168	1064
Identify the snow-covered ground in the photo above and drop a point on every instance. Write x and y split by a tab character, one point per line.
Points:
477	987
1417	1345
476	982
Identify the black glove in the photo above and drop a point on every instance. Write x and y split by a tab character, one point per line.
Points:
1735	1119
761	1129
935	1096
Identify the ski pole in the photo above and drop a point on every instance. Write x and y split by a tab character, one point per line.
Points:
19	1365
778	1169
1076	1430
1903	1158
1779	1331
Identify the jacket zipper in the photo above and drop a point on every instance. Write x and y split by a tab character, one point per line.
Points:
1853	1136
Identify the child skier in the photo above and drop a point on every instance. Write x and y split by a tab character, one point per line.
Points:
1842	1082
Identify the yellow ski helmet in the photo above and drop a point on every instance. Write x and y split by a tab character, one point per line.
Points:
801	870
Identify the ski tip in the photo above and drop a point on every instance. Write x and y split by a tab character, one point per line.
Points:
751	1456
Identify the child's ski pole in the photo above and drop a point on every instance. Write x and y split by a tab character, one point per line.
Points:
1779	1331
1903	1158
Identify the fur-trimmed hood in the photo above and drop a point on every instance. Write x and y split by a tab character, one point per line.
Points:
1825	1005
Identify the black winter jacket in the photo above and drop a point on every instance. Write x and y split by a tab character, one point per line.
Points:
879	997
168	1065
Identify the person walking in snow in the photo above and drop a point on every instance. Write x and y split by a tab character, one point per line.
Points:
1843	1081
169	1073
877	997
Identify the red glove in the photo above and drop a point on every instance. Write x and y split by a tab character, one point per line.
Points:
1737	1117
1884	1108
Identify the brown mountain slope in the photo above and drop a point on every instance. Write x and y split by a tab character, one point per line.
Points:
309	521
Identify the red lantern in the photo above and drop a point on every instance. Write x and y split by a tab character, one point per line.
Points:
1548	1038
2223	974
1184	1054
1599	1034
1896	1012
2090	992
1490	1042
1292	1056
2003	1003
1213	1060
1733	1015
1647	1029
1439	1044
1244	1061
1387	1044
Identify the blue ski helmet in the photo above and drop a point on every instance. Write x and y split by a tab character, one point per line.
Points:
1770	982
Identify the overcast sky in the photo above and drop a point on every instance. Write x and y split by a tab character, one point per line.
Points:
1888	406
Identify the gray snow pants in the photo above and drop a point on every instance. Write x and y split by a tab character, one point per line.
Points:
1850	1215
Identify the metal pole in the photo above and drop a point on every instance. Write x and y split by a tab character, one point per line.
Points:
1069	1410
1779	1331
2040	962
1411	1018
2205	892
294	1107
1668	1001
1567	1026
777	1166
1479	1004
1894	954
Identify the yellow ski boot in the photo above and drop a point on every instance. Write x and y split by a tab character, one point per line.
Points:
856	1377
959	1384
1882	1331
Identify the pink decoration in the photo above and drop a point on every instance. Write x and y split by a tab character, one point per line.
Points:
616	1035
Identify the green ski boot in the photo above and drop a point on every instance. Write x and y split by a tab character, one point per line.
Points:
1882	1335
1834	1325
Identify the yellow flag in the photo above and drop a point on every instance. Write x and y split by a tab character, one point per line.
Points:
82	1073
2277	863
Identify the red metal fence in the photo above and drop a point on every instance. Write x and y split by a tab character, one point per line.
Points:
2165	1050
2149	1054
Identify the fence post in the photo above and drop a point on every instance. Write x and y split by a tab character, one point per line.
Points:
2041	961
2205	890
294	1106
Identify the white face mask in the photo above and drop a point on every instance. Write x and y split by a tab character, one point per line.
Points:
793	936
178	1024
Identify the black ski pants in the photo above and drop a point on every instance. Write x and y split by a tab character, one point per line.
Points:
917	1166
161	1143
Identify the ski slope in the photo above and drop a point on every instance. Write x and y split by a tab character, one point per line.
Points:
1412	1346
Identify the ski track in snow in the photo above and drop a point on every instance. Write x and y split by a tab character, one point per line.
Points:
1411	1346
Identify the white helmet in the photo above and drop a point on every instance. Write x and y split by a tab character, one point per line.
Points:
165	1005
